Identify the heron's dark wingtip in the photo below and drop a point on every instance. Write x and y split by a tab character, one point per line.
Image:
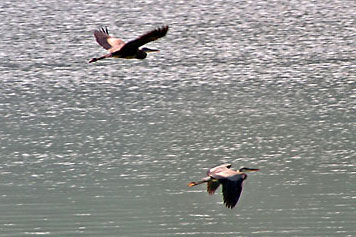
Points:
230	205
104	30
162	31
165	29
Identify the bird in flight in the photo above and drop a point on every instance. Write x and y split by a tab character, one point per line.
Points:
119	49
231	181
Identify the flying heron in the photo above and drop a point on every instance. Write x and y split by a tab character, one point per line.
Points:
120	49
231	181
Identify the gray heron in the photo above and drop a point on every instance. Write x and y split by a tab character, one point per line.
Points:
231	181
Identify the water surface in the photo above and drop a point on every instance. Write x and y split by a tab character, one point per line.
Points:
106	149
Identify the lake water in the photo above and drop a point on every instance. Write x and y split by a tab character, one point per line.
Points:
107	149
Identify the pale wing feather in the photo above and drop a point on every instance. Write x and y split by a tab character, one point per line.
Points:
116	44
218	169
107	42
224	174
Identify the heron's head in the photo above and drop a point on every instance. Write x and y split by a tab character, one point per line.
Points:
244	169
141	54
147	50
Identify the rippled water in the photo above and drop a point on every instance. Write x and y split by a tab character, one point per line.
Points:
106	149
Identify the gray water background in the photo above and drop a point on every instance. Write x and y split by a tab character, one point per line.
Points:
106	149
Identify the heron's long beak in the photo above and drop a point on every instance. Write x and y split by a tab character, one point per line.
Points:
251	169
147	50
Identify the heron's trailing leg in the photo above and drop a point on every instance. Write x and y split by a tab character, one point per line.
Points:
204	180
102	57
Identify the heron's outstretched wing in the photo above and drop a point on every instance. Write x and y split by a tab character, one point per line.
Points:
218	169
212	185
146	38
106	41
232	190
